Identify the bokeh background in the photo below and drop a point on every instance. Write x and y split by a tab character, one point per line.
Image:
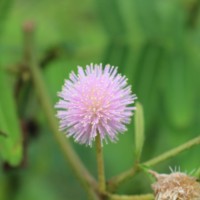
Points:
156	44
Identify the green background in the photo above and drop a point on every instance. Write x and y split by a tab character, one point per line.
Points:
156	44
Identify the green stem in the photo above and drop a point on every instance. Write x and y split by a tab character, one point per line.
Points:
173	152
117	180
81	172
131	197
100	164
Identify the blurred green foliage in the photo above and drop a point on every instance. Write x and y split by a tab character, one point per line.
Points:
11	139
156	44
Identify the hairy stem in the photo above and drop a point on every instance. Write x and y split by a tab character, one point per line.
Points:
100	164
79	169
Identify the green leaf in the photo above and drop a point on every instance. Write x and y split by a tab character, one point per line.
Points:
139	130
11	145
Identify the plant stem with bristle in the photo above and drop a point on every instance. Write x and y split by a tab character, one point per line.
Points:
70	155
100	164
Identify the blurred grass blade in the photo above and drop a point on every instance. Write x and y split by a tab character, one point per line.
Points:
3	134
5	6
11	145
139	130
180	98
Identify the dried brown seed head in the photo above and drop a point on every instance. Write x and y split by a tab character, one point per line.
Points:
175	186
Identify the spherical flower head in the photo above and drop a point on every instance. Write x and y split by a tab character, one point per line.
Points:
95	101
176	186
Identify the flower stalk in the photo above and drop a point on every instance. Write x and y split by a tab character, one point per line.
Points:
100	165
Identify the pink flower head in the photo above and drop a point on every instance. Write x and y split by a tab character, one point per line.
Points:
95	102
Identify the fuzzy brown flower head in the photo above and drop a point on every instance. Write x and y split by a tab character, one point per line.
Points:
175	186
